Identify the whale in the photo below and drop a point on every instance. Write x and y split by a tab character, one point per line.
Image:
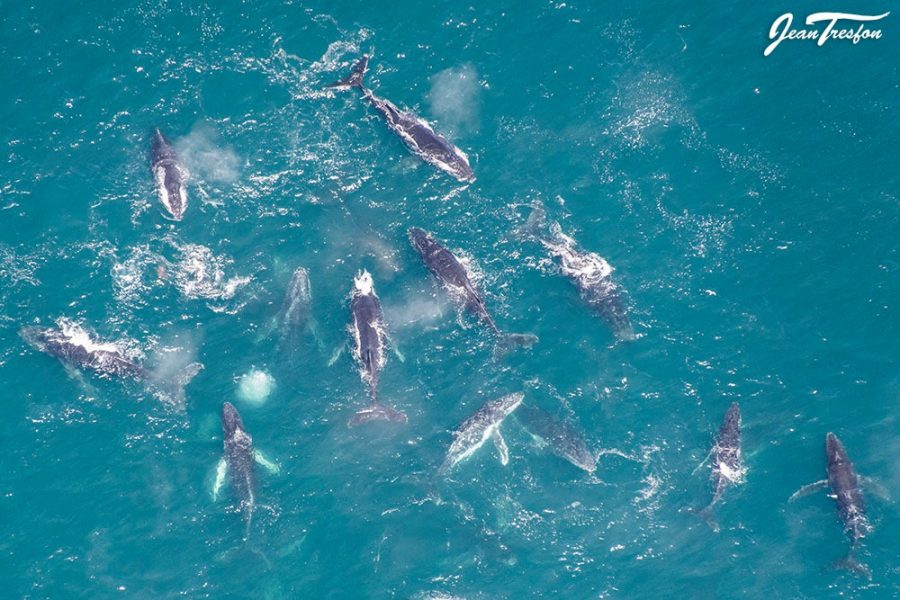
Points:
727	466
369	334
170	176
238	462
590	273
563	438
846	487
295	310
479	428
456	280
75	346
418	136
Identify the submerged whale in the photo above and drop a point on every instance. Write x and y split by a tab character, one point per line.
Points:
418	135
237	463
295	311
76	347
846	490
477	429
561	436
170	176
727	467
370	339
590	272
73	345
455	277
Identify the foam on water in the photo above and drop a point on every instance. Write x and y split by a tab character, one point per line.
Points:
255	386
201	274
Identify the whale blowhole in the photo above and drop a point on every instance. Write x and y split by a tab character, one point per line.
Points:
255	386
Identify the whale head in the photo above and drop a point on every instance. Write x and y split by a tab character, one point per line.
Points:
231	420
834	451
732	420
420	240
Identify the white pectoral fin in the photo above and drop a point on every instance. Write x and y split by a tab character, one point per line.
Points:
806	490
875	488
221	470
396	350
705	460
264	462
502	448
337	354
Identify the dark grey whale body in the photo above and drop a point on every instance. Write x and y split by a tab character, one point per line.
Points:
845	486
455	277
69	342
170	176
727	464
76	347
239	459
561	436
846	490
238	464
370	336
418	135
590	273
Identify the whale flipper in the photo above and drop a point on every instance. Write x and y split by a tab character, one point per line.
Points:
264	462
336	354
221	471
313	328
811	488
875	487
396	351
705	460
502	448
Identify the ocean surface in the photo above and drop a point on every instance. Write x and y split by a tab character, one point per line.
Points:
748	204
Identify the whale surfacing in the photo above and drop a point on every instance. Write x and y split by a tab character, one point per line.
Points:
846	491
727	464
417	134
170	176
73	345
477	429
238	461
453	274
369	337
562	437
590	273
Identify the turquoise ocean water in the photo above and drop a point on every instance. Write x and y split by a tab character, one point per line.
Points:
748	204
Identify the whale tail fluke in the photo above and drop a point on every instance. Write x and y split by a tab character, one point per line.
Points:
851	564
377	412
535	225
355	78
708	517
